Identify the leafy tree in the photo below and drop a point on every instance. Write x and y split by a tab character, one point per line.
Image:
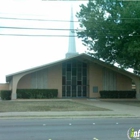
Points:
111	31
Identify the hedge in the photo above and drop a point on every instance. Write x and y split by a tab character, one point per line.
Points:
5	94
118	94
37	93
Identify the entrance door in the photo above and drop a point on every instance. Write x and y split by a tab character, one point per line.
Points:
74	79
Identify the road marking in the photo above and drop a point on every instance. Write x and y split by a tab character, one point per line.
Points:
69	123
95	138
93	123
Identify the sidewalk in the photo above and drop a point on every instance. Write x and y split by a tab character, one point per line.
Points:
116	110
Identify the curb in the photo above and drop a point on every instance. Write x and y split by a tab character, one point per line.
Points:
68	116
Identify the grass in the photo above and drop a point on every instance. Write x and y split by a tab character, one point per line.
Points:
38	106
131	103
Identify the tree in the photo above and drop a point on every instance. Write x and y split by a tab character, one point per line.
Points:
111	31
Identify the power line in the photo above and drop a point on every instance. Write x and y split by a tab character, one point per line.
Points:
58	29
36	35
31	35
37	19
32	19
29	28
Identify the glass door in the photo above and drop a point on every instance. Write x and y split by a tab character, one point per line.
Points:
74	79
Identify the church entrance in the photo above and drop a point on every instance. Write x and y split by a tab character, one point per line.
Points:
74	79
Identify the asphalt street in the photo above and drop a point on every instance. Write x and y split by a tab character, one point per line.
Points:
67	129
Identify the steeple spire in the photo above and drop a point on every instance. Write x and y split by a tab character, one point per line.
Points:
72	46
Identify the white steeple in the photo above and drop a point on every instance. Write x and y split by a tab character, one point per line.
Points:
72	45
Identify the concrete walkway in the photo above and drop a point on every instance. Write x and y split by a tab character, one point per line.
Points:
116	110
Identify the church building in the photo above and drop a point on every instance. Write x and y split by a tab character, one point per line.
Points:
76	76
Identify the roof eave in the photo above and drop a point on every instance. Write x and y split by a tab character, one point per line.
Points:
8	77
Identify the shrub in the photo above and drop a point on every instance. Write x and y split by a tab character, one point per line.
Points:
5	94
118	94
37	93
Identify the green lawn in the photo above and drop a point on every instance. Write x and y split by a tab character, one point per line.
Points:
131	103
24	106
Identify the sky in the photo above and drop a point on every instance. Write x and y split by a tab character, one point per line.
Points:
23	52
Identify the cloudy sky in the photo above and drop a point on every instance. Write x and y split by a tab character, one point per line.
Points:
22	52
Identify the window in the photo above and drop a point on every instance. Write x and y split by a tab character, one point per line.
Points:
63	71
84	72
95	89
68	82
73	71
74	78
79	64
63	80
63	91
79	76
84	65
74	64
68	67
68	91
68	75
79	82
84	80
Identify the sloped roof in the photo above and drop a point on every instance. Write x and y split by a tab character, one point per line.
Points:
8	77
83	55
